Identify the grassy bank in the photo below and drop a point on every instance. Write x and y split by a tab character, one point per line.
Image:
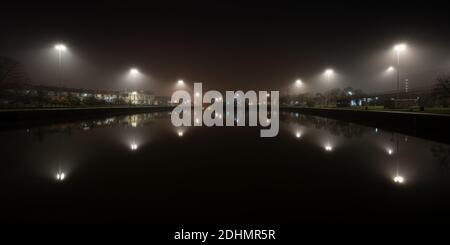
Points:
427	110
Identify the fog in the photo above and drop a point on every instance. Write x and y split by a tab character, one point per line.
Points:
228	49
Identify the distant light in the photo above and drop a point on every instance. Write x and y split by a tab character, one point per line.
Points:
329	72
298	82
400	47
376	130
328	147
390	151
390	69
134	93
399	179
133	146
60	47
350	93
60	176
298	135
180	82
134	71
180	133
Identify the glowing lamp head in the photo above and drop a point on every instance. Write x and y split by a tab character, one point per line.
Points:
329	72
134	71
390	151
328	147
298	82
180	82
60	47
298	135
399	47
180	134
390	68
399	179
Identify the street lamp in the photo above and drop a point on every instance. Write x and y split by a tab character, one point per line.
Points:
329	73
399	48
134	71
180	82
60	48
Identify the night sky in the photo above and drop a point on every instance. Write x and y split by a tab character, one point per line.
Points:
226	45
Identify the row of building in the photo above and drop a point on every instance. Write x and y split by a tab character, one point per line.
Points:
127	97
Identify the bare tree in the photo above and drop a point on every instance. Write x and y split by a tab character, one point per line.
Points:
442	89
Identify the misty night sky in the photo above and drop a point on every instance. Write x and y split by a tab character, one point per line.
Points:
226	45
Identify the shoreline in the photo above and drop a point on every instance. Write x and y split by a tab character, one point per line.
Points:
19	118
429	126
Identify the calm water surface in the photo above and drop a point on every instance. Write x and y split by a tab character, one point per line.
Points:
139	168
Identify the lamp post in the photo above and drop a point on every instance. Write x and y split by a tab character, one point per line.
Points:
60	48
398	48
134	74
328	74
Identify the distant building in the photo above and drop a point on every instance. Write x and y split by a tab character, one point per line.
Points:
30	95
162	101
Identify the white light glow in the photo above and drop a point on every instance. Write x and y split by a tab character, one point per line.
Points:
298	82
60	47
390	69
328	147
329	72
390	151
60	176
180	82
399	47
133	146
134	71
399	179
180	134
298	134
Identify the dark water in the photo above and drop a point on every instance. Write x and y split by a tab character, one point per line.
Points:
139	168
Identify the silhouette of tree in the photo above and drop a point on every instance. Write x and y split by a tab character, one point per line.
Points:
442	89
